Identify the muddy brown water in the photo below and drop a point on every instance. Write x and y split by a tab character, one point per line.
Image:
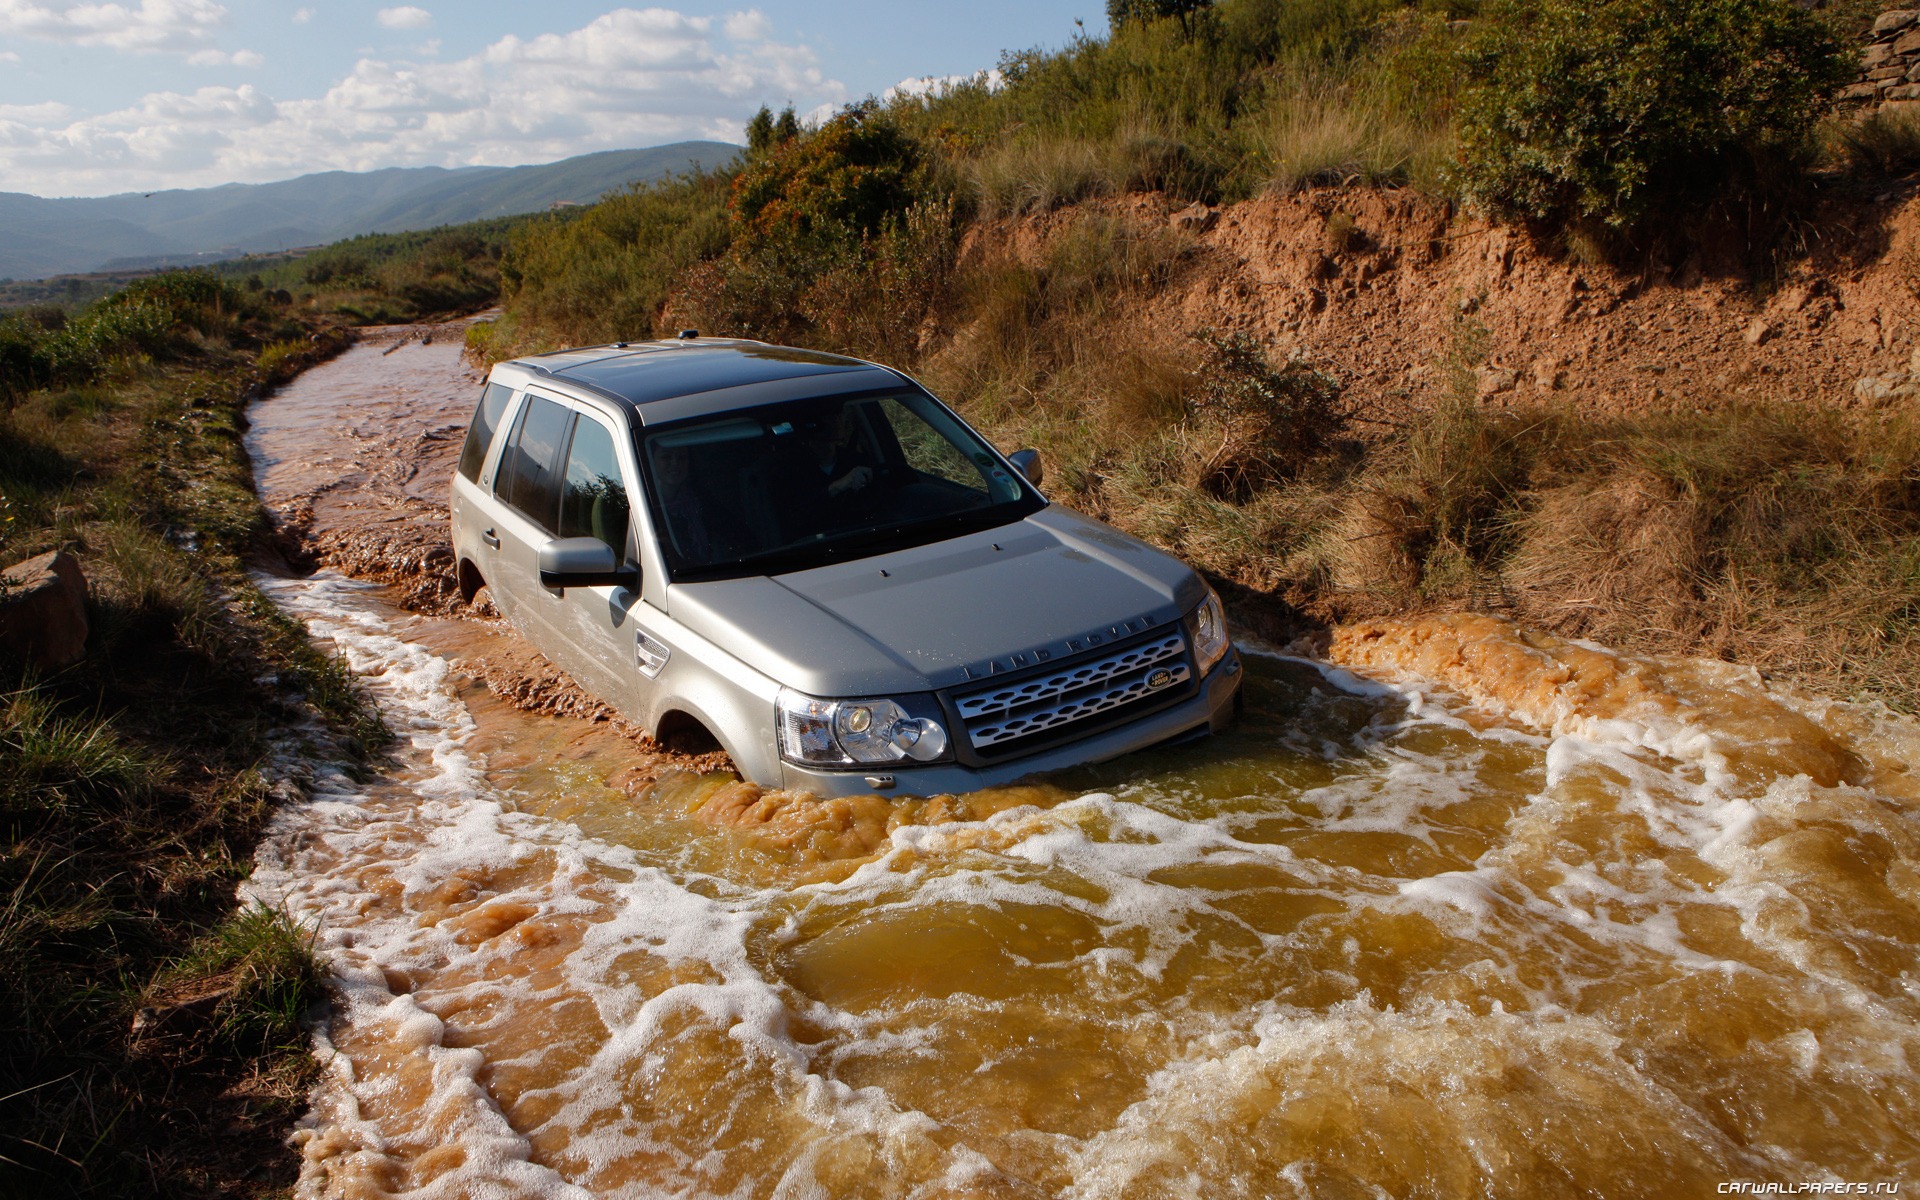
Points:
1466	912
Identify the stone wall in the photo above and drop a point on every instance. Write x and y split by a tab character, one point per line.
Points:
1890	63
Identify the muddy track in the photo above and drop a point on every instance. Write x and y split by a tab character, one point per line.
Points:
355	467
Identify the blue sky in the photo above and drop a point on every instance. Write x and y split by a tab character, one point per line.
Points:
134	95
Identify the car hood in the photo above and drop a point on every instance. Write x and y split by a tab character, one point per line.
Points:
933	616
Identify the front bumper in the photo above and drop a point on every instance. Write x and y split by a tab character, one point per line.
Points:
1209	710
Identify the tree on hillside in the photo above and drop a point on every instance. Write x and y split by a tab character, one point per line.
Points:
1122	12
1613	109
764	132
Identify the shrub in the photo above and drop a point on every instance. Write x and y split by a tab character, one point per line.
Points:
24	363
1610	110
604	275
849	179
1260	423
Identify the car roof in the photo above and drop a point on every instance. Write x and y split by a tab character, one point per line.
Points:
713	374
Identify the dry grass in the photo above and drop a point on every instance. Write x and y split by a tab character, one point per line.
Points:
1783	535
1878	144
1319	133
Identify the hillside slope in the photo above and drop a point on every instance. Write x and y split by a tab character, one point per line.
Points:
61	236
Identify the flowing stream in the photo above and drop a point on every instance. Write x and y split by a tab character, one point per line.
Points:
1472	913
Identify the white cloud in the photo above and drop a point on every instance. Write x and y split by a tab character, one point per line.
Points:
220	58
628	78
8	56
302	15
178	26
404	17
45	113
749	26
933	85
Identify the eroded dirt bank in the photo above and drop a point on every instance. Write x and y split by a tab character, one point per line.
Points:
1393	292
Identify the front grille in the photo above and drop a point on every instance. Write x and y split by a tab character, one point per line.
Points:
1072	700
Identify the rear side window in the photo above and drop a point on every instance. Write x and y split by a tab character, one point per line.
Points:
486	420
593	502
530	473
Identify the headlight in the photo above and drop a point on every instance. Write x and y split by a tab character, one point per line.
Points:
1208	627
844	733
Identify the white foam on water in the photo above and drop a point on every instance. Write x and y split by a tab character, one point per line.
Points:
400	877
454	823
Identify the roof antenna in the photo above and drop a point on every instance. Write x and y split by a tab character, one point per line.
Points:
687	334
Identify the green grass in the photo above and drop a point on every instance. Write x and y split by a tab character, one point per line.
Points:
386	278
130	785
269	977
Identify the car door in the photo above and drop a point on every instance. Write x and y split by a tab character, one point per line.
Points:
526	513
597	501
474	509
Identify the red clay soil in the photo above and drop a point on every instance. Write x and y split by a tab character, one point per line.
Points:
1385	289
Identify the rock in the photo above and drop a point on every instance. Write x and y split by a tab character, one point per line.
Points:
1874	56
43	611
1906	91
1548	375
1195	218
1493	381
1895	21
1908	43
1758	331
1892	71
1879	389
1859	91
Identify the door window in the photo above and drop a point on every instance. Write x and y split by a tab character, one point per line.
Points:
530	473
593	500
486	421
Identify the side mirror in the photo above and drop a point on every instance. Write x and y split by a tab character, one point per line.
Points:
1027	462
581	562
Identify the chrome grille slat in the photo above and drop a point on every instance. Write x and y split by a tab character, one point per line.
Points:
1042	706
1078	710
1002	699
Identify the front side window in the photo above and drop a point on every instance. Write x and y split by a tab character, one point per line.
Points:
593	498
530	472
486	420
788	486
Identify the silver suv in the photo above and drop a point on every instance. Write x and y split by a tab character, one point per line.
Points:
816	562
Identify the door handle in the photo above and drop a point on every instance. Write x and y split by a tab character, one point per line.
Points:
492	542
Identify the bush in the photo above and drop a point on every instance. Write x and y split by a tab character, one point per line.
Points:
604	275
1612	110
849	179
1262	422
24	365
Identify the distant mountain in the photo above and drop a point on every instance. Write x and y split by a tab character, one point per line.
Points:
41	237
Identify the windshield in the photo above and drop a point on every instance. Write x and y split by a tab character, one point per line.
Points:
789	486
